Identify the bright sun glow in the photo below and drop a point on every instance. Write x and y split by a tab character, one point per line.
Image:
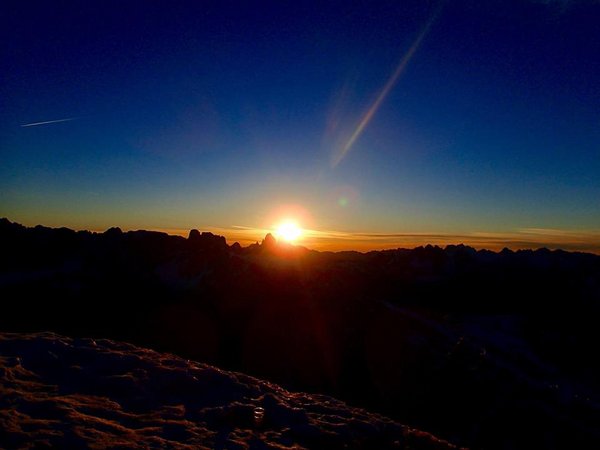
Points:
288	231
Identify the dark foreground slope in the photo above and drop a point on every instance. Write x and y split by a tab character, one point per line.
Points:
486	350
63	393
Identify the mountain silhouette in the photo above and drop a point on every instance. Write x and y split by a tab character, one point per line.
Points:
482	349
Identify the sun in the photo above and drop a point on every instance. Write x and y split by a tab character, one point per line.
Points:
288	231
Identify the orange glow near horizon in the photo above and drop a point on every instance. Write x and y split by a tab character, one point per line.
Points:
311	237
322	240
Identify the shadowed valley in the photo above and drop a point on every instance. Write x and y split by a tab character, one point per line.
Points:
483	349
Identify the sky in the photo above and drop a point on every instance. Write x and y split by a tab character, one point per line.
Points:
371	124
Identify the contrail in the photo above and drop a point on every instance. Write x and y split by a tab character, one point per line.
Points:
384	92
34	124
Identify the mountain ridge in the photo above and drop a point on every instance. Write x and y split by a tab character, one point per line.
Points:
486	350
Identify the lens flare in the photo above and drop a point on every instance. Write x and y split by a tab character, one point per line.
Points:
368	115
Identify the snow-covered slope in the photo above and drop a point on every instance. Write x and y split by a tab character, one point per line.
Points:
71	393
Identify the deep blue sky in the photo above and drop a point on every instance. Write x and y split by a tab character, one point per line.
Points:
221	114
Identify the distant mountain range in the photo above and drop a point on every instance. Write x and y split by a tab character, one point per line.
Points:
484	349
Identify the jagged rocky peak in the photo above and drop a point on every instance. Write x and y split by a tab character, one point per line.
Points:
113	231
269	241
194	235
207	239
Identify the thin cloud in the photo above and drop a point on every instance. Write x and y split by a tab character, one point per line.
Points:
574	240
331	240
48	122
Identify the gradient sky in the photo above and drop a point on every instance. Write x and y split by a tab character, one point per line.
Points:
374	124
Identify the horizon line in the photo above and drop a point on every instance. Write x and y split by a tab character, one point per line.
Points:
520	239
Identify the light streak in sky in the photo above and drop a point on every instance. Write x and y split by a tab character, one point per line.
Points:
366	118
34	124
